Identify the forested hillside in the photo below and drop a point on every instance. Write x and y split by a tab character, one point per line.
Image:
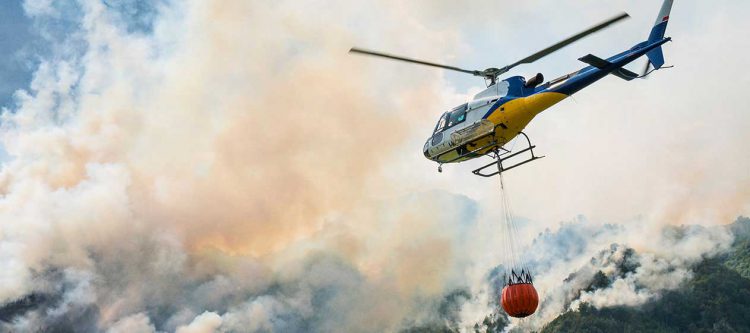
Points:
716	299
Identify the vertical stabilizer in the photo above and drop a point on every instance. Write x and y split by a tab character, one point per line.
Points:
656	56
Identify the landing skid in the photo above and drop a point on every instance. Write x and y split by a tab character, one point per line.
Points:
501	157
499	154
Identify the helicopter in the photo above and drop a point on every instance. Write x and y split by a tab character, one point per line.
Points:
493	117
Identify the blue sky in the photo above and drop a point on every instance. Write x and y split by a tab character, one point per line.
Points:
16	43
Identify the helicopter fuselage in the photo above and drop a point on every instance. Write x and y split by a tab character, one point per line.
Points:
499	113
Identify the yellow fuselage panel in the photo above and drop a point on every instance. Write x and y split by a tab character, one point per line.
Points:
509	119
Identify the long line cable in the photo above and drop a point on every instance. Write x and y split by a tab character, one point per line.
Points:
510	231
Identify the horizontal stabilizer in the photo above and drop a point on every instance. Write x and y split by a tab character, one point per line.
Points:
624	74
603	64
595	61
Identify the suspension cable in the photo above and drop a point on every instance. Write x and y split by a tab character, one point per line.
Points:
510	235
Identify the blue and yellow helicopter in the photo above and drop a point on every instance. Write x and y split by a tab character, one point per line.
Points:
498	114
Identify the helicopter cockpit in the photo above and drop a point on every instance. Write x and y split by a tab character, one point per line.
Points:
452	118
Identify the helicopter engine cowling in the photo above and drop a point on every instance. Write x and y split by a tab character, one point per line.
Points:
534	81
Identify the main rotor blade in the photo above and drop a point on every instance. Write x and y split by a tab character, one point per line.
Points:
566	42
426	63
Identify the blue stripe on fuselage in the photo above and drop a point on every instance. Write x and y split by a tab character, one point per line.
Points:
497	104
516	89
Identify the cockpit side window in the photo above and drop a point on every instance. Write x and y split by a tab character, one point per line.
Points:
457	115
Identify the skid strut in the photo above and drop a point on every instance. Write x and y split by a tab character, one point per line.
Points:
502	157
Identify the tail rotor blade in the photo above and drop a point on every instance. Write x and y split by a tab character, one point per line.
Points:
646	68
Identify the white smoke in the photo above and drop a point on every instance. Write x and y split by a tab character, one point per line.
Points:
207	322
192	172
137	323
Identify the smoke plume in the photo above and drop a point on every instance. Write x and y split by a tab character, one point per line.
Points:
176	167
